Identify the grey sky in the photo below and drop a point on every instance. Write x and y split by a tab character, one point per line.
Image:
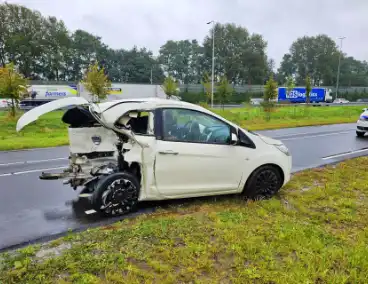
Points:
150	23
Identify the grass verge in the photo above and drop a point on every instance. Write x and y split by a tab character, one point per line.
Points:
315	231
49	131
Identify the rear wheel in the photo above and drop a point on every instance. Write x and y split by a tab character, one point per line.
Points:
263	183
116	194
360	134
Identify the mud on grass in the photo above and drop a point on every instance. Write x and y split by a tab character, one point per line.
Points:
49	131
315	231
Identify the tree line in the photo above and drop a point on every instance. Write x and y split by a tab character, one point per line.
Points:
42	48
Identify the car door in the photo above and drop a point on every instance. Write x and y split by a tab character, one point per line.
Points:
194	156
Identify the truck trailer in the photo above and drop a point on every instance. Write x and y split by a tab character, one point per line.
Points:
41	94
298	95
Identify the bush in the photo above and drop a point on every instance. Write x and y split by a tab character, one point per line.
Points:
204	105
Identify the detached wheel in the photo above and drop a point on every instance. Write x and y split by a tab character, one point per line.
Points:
116	194
360	134
263	183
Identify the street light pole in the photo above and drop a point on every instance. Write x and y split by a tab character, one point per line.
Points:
213	60
338	68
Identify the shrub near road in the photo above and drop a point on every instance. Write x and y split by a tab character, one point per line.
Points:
50	131
316	231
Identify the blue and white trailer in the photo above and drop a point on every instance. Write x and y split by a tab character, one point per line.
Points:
297	95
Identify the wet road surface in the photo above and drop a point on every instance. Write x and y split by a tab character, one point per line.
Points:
31	208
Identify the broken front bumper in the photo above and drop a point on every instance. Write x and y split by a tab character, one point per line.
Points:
81	170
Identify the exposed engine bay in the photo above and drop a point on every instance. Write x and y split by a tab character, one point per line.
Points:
97	152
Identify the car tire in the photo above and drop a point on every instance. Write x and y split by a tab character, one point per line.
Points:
116	194
263	183
360	134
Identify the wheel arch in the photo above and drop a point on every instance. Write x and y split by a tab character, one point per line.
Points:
277	167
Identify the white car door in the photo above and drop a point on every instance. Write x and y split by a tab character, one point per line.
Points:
194	156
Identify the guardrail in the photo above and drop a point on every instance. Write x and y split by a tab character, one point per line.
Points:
295	105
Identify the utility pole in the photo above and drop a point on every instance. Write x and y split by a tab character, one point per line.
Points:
338	68
151	76
213	60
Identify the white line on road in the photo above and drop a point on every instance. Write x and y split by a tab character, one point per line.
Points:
344	154
309	133
32	149
313	136
31	171
32	162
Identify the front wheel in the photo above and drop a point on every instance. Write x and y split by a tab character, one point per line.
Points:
116	194
263	183
360	134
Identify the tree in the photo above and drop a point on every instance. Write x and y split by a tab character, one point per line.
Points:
224	91
316	56
96	82
308	88
21	38
181	60
12	85
290	84
207	85
240	56
270	93
170	87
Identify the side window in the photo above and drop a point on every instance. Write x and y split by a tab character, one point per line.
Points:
184	125
140	124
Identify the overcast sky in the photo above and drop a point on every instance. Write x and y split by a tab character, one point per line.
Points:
150	23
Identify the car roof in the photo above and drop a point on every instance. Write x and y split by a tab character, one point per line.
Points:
148	102
115	109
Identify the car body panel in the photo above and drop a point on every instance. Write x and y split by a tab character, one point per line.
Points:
35	113
362	122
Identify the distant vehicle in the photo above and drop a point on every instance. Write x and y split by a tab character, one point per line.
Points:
297	95
5	103
256	101
362	123
127	151
340	101
364	100
41	94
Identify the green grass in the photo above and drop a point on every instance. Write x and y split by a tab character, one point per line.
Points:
253	118
315	231
49	131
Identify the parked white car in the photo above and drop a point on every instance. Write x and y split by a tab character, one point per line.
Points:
362	123
5	103
126	151
340	101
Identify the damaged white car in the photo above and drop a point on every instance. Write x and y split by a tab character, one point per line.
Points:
126	151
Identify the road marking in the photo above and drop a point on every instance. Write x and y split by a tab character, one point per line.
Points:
32	171
32	162
33	149
310	133
91	211
313	136
344	154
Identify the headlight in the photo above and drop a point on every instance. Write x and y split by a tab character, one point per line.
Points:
283	149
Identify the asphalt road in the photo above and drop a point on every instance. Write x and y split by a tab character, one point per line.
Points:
31	208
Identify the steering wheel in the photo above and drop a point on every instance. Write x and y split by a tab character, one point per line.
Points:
186	124
185	129
212	134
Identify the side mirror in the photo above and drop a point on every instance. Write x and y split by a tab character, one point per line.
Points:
364	109
234	139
